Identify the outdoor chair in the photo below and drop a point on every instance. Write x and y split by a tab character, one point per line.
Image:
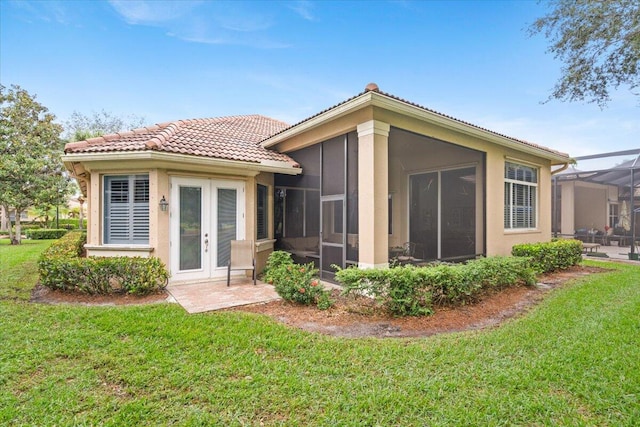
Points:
241	258
412	253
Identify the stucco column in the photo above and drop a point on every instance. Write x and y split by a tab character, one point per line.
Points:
567	207
373	194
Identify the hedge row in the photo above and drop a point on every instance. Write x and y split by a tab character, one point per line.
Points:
550	256
41	234
61	268
414	291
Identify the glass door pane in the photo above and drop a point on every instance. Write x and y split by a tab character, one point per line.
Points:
423	215
190	228
227	223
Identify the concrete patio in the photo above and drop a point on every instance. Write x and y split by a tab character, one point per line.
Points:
614	252
215	295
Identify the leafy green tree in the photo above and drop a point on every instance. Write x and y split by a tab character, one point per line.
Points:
599	45
81	126
30	148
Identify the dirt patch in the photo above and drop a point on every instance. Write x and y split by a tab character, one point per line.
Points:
45	295
358	317
351	317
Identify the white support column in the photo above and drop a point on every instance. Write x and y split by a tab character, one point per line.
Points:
373	194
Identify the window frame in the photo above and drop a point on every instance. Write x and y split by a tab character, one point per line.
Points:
137	224
262	203
531	191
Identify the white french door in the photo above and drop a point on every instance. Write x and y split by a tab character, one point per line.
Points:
206	215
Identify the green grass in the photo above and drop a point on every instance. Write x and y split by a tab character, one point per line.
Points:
573	360
18	268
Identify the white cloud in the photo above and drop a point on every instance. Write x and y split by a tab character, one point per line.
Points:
215	23
152	12
303	8
50	11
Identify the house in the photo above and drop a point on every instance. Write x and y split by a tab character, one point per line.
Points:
346	187
596	203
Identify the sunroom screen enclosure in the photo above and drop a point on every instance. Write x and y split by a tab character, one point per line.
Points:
436	201
316	213
437	194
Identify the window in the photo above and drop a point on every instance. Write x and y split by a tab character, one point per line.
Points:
520	196
126	209
613	215
262	216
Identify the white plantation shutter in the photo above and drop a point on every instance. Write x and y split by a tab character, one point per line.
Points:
140	213
227	223
520	196
126	209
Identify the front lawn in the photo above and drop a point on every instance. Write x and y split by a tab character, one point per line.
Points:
19	268
573	360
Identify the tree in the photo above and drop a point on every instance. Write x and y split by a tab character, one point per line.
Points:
80	126
599	45
30	150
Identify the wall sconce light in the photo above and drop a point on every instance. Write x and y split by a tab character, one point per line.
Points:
163	204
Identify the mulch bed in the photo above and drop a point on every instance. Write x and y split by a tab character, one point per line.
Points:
358	317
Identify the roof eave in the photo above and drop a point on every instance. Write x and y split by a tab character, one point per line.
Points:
331	114
379	100
263	166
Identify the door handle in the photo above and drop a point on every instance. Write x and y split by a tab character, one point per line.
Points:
206	242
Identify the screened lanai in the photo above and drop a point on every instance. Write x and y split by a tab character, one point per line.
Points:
436	197
597	198
436	201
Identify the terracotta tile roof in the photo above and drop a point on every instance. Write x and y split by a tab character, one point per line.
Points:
372	87
230	138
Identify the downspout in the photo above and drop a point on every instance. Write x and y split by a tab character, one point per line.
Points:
563	168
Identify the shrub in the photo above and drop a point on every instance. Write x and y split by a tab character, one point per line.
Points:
414	291
294	282
41	234
398	290
275	261
550	256
61	268
500	272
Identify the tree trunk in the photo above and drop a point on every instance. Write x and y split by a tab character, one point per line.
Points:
4	218
8	218
17	239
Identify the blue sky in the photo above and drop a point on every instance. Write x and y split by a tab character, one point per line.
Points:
166	61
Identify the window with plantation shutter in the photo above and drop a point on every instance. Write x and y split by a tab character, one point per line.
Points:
520	196
126	209
262	214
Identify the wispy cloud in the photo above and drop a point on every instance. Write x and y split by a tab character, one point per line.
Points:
228	23
152	13
51	11
303	8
